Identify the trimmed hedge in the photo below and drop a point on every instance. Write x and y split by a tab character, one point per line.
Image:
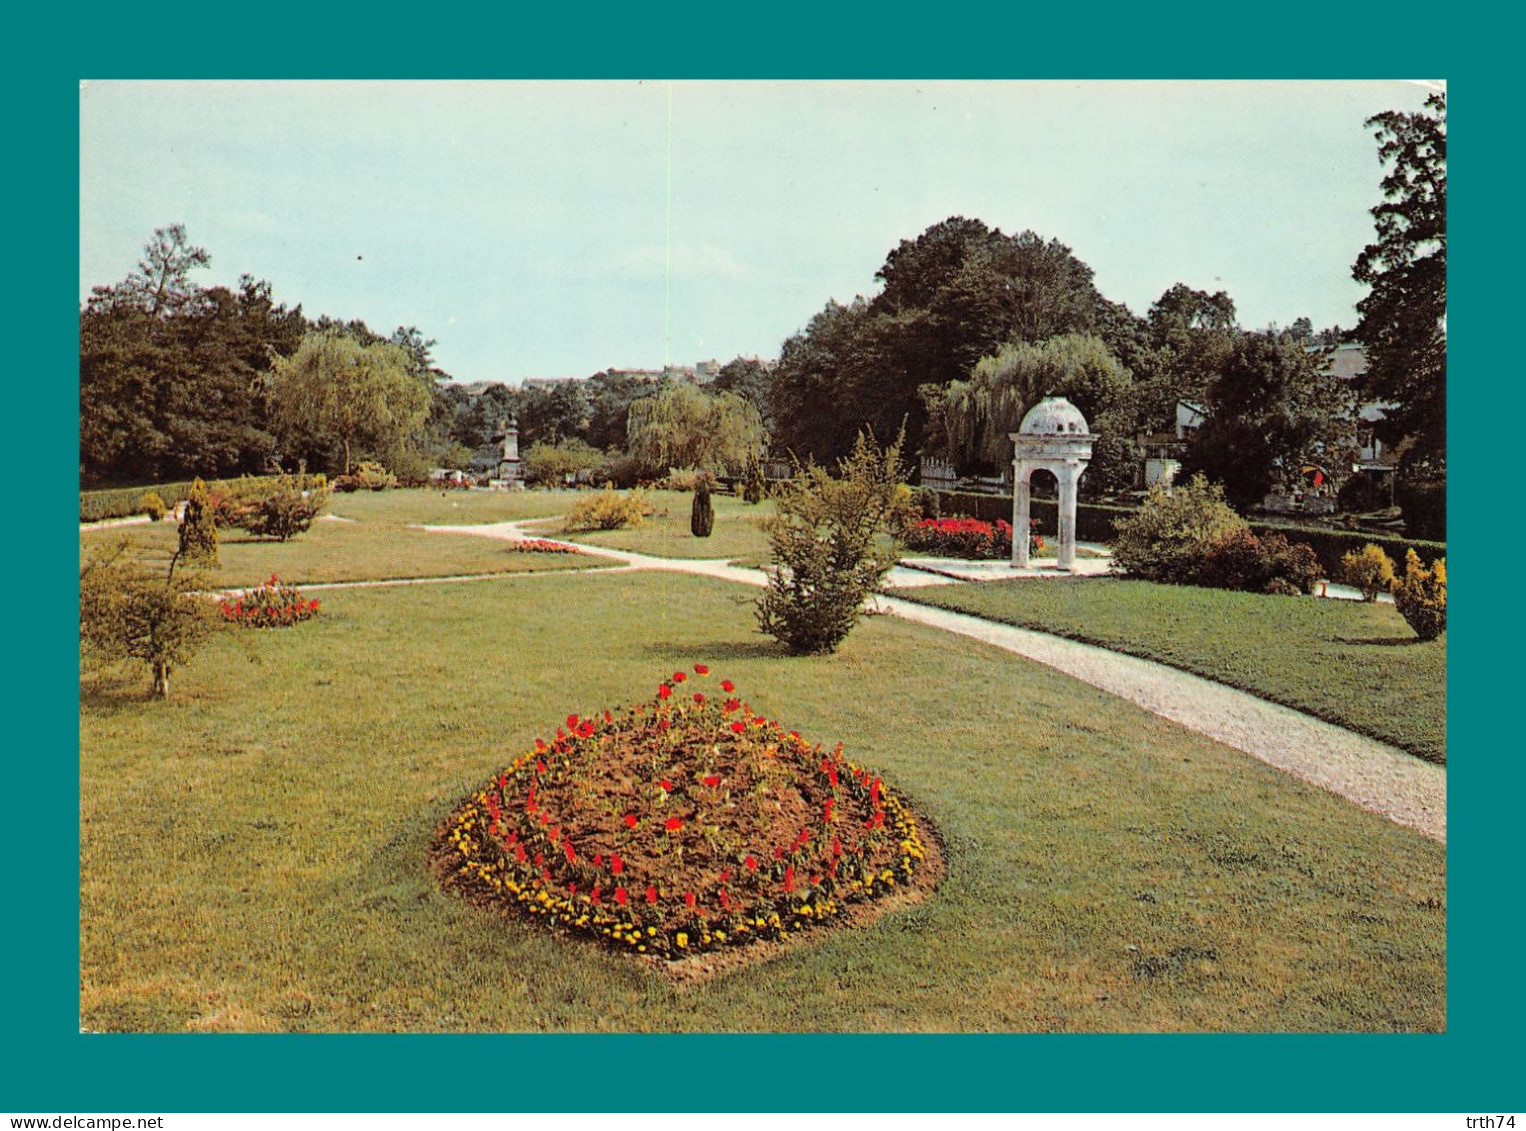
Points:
1333	545
1095	523
124	502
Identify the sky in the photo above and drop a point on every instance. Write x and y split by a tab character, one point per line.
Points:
561	228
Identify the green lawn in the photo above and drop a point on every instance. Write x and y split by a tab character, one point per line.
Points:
1355	664
423	507
340	551
666	533
252	851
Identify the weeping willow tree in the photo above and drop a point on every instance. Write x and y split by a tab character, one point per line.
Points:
684	426
975	416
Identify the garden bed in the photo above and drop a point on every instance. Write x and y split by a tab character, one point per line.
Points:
683	828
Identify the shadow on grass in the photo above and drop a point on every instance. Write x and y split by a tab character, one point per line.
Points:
1380	641
717	650
107	695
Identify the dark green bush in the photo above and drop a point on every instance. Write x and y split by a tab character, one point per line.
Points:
702	513
1169	537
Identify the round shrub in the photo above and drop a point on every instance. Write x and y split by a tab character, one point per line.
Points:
1268	564
1170	535
682	824
1368	569
153	506
607	510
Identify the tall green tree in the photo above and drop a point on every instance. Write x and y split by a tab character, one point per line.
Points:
1271	408
684	426
1403	316
335	393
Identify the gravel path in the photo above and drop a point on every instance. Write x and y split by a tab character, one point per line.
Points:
1372	774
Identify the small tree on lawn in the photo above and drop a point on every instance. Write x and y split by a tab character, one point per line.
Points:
127	613
198	529
832	546
702	513
1421	596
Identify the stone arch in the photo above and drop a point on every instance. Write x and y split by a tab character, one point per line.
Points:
1053	437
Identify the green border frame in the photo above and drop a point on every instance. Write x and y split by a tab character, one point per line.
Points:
49	1066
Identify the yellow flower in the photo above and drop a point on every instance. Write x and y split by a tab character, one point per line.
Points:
682	940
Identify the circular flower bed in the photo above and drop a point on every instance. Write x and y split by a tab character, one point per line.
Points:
272	605
683	824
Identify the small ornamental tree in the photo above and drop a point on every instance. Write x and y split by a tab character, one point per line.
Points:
1174	531
1421	596
754	487
702	514
198	529
1368	569
127	613
284	512
832	546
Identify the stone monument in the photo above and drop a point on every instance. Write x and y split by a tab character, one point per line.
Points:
510	471
1053	436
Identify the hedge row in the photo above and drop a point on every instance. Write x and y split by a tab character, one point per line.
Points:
124	502
1095	523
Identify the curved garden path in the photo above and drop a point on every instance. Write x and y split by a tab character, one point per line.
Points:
1372	774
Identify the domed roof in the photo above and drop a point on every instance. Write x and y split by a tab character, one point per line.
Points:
1054	416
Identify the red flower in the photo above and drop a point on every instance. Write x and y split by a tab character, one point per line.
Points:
699	696
739	726
630	820
679	677
700	669
732	705
586	730
689	898
789	878
674	824
651	893
725	875
572	722
540	767
598	859
616	865
664	691
727	686
712	780
620	896
751	863
666	785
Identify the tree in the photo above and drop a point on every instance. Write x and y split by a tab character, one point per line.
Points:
749	379
126	613
977	415
335	392
832	546
1403	317
684	426
1271	408
161	285
552	464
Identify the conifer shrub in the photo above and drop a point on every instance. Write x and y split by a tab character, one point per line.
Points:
754	487
1368	569
702	513
198	529
1421	596
153	506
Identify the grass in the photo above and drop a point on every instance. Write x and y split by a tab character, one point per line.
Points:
252	851
1355	664
424	507
339	551
666	534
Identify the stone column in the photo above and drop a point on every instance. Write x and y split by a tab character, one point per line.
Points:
1069	475
1020	489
